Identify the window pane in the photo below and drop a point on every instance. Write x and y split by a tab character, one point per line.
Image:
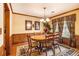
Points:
65	33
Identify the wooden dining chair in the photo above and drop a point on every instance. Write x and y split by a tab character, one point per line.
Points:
48	43
33	47
56	43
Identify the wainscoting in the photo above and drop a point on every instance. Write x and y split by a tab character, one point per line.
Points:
20	38
66	41
77	41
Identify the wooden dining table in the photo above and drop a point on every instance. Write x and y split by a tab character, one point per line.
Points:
41	39
38	38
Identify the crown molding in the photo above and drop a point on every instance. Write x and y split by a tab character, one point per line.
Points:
64	13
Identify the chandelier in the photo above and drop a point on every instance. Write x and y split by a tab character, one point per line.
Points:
44	19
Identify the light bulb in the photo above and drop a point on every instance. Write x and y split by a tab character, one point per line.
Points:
42	20
47	20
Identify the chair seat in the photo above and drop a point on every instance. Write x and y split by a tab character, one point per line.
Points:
34	44
55	42
35	53
47	44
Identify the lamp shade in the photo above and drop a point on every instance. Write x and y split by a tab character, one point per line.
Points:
47	19
42	20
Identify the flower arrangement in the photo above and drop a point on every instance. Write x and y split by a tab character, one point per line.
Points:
47	27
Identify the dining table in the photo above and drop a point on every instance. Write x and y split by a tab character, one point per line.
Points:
42	39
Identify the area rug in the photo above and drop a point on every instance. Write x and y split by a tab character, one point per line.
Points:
22	50
69	52
65	51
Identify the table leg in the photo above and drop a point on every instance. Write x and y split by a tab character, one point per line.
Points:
40	47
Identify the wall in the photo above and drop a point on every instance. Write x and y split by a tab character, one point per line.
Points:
1	26
18	24
77	20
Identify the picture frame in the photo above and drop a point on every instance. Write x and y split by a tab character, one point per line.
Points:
37	25
28	25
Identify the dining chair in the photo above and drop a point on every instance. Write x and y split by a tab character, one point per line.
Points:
56	43
48	43
33	47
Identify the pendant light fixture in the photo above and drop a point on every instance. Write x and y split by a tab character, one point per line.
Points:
44	19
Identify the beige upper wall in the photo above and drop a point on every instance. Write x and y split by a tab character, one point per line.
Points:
18	24
77	20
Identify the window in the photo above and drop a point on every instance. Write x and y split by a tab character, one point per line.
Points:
65	33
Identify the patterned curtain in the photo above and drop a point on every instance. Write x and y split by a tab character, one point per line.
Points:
71	26
70	20
61	22
54	25
73	17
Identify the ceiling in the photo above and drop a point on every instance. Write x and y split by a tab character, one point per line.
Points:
36	9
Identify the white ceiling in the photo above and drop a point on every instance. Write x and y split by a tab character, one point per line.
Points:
36	9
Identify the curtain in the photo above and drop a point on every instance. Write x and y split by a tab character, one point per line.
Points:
69	25
54	25
61	22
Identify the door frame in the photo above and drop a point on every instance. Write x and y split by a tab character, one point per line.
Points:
6	29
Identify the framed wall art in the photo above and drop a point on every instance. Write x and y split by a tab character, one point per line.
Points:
28	25
37	25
